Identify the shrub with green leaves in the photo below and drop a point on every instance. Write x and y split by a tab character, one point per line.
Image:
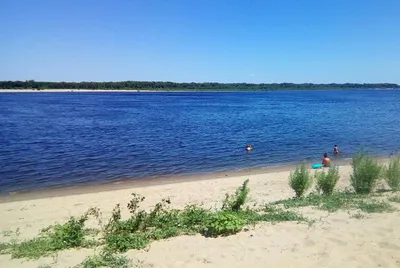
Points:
392	174
223	223
300	180
326	182
366	173
236	201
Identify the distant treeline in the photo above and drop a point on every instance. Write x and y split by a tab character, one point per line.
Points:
165	86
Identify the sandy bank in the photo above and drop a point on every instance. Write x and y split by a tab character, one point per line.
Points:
335	240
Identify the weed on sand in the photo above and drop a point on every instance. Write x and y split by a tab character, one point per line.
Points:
106	259
395	199
338	201
143	227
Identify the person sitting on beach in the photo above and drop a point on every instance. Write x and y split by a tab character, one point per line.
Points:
249	147
335	150
326	162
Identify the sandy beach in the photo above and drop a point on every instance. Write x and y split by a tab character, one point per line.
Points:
333	240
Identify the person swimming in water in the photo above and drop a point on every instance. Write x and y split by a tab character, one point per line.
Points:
335	150
326	161
249	147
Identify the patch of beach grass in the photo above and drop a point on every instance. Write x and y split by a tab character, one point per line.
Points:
338	201
326	181
161	223
357	216
106	259
366	173
373	206
45	266
395	199
392	174
54	238
300	180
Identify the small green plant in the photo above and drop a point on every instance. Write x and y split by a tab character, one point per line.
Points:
223	223
300	180
4	247
44	266
392	174
357	216
331	203
279	215
105	259
395	199
366	173
326	182
61	236
375	207
236	202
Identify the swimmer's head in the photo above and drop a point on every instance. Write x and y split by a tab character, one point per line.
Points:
325	155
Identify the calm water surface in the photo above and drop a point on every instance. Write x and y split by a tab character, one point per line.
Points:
60	139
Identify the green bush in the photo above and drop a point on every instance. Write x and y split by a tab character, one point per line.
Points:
68	235
326	182
300	180
236	202
223	223
392	174
366	173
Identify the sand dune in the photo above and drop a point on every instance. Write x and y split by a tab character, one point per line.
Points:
334	240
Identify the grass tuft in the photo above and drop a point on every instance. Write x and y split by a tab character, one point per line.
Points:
337	201
375	207
326	182
235	202
395	199
300	180
105	259
54	238
366	173
392	174
357	216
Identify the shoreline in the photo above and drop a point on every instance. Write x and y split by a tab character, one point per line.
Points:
124	184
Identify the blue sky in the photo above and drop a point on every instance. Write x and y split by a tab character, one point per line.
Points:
318	41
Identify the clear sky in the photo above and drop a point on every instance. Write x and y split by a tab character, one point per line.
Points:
297	41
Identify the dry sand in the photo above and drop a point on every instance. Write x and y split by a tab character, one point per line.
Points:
335	239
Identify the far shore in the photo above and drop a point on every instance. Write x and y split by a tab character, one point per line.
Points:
163	90
72	90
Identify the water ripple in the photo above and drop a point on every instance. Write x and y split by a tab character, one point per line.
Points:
51	139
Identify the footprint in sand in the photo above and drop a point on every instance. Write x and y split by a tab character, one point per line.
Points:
386	230
309	243
387	245
337	241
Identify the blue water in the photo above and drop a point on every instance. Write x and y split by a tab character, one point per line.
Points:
60	139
